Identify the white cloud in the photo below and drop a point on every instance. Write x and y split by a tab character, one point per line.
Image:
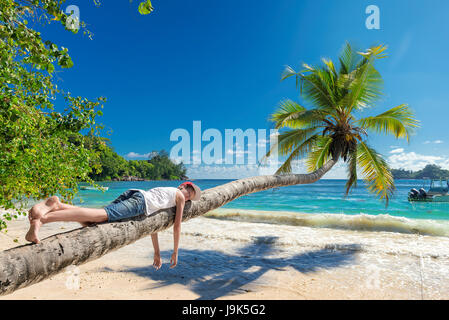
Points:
415	161
435	141
445	164
135	155
399	150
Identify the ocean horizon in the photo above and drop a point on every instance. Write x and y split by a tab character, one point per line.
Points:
321	204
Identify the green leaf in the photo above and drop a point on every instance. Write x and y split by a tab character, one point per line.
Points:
319	155
352	170
398	121
145	7
376	172
50	68
297	153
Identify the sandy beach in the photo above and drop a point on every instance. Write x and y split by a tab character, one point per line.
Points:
221	259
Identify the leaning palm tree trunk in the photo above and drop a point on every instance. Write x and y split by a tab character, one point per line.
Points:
29	264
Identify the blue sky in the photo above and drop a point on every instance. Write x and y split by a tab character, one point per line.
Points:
219	62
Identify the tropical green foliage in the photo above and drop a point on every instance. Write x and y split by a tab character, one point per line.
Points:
334	128
113	166
431	171
42	150
145	7
164	168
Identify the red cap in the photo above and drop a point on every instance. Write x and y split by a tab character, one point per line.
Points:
195	187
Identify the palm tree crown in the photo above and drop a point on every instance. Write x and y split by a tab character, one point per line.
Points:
331	130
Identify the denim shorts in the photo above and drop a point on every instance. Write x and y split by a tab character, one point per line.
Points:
129	204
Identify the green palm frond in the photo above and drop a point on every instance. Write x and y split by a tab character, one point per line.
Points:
377	52
363	85
398	121
330	69
288	141
367	88
376	172
288	110
348	59
291	114
352	170
289	72
319	154
297	153
362	88
316	83
317	87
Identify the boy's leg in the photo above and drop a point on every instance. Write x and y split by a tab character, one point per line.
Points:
131	203
76	214
63	206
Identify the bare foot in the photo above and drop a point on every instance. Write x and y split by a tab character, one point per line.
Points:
40	209
33	233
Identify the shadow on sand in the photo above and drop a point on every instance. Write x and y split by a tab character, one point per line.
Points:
213	274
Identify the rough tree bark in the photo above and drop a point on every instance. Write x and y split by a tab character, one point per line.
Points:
29	264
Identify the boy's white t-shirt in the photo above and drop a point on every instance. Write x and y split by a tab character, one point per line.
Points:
159	198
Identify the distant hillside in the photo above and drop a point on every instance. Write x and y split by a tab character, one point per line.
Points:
112	166
431	171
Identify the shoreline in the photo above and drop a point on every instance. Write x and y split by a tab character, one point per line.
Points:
222	259
356	222
337	221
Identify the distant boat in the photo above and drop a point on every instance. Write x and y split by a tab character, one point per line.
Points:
94	189
434	194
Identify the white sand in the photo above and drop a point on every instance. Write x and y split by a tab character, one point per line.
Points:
238	260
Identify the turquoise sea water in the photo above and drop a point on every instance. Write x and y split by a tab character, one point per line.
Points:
321	204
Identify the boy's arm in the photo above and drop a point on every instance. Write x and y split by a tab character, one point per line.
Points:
157	253
180	202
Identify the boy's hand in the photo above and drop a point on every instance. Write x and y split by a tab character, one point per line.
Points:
174	259
157	261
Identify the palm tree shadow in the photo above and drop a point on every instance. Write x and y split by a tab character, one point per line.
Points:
213	274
